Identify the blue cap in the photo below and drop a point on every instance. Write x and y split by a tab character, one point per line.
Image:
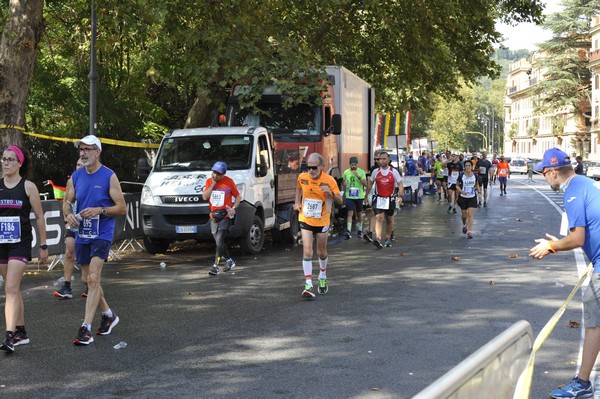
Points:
219	167
553	158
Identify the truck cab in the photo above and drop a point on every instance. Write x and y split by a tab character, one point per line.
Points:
172	208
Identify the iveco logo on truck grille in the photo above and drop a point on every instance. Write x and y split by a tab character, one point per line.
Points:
181	199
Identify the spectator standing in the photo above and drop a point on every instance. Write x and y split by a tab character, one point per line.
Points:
316	192
582	207
219	192
355	180
97	191
18	197
579	170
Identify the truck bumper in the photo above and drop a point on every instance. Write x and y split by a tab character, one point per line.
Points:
164	222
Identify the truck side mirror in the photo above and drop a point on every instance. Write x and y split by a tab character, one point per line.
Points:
336	124
261	167
143	169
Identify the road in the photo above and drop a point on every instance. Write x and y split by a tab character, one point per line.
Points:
393	321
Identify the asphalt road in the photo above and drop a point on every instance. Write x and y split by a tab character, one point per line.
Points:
393	321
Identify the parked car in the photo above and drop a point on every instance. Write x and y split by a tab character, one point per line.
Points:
593	170
518	165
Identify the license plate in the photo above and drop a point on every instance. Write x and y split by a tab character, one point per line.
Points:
186	229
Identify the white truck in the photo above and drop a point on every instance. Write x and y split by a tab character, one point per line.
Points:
264	162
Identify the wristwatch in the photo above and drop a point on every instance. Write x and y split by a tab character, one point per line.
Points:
104	212
44	246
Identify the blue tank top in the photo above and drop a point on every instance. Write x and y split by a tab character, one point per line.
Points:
92	191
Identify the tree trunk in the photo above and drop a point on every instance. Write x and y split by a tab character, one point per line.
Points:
18	49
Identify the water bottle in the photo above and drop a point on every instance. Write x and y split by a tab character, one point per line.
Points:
120	345
597	388
230	212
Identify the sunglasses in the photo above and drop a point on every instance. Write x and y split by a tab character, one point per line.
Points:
312	167
545	172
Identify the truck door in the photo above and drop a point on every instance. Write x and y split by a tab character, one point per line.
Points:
264	187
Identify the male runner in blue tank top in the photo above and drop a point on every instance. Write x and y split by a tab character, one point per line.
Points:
99	198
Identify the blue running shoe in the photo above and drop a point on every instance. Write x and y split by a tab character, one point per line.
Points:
576	388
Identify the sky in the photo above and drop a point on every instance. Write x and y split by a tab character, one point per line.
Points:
526	35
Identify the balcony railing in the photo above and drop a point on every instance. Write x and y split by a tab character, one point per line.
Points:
594	55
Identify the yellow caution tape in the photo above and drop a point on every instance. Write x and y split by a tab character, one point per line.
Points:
120	143
523	388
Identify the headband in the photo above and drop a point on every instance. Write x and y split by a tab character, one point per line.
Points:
17	152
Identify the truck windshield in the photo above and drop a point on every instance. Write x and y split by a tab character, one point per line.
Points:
201	152
296	124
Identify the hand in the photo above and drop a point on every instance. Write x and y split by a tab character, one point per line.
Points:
72	220
43	255
542	248
297	207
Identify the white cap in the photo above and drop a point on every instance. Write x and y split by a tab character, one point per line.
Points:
89	140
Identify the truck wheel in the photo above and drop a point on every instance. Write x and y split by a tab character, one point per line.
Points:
252	242
155	245
290	236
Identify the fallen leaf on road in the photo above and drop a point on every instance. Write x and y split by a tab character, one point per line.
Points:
573	324
513	256
455	258
491	282
375	389
401	253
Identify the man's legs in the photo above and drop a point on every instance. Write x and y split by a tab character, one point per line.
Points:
95	293
307	267
65	291
591	348
349	215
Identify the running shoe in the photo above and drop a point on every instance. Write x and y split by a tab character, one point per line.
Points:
230	264
107	324
465	229
20	337
388	243
359	234
85	292
454	210
469	235
214	271
347	235
8	345
84	337
501	193
393	236
308	292
64	293
368	236
323	287
576	388
479	204
484	204
377	243
450	209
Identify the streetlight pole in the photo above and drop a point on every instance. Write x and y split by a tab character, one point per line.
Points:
93	76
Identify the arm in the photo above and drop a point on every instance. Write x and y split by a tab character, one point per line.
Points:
206	193
36	206
298	201
119	208
68	200
369	187
551	244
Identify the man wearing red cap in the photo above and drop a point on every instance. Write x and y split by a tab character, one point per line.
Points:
219	192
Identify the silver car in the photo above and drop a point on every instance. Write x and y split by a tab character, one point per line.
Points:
593	170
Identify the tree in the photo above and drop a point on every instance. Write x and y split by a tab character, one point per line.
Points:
18	47
564	58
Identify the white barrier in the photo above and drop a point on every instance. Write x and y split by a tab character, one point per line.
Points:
491	372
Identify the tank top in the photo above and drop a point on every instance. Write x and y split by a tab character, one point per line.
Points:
15	202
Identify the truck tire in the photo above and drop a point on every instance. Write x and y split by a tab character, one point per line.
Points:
155	245
252	242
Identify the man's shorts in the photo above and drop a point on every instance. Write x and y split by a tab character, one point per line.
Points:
444	179
591	302
85	252
388	212
216	225
20	251
354	204
502	179
71	233
314	229
483	182
452	187
466	203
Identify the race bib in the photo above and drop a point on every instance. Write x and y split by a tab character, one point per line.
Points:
383	203
469	190
312	208
217	198
353	192
89	228
455	175
482	170
503	171
10	229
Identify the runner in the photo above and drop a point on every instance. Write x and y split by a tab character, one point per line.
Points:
355	181
367	206
438	170
388	190
494	169
315	193
455	168
503	173
467	187
484	166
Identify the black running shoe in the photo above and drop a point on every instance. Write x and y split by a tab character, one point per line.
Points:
20	337
84	337
8	345
64	293
107	324
214	271
377	243
368	236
